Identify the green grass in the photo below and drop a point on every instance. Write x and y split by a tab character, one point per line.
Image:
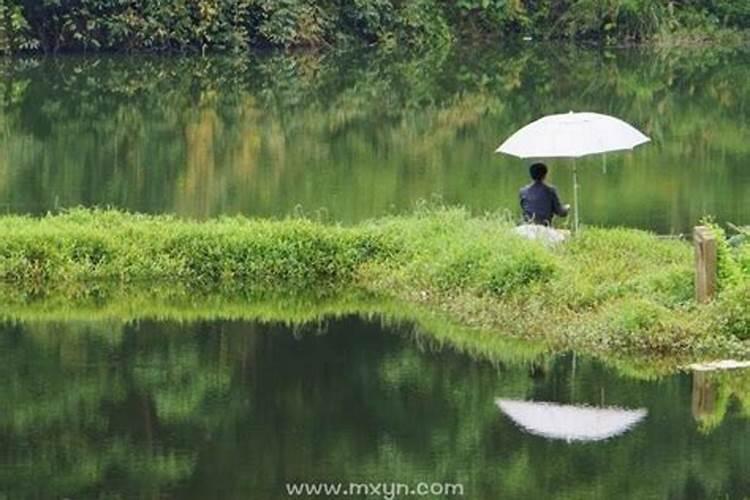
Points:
606	292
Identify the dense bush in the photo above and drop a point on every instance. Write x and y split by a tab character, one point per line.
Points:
51	25
734	280
733	309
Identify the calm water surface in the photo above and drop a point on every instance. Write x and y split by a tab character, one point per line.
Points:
237	409
361	134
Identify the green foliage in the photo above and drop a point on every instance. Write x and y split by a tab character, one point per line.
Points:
607	21
733	311
288	23
636	317
630	20
740	249
235	24
137	24
606	290
232	254
729	269
742	257
54	25
454	253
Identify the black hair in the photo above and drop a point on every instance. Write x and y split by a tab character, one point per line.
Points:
538	171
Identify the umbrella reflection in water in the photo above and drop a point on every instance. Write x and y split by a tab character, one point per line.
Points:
570	422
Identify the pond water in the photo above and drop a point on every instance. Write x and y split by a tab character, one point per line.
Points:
240	409
229	409
360	134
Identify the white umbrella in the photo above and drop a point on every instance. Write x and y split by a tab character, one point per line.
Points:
570	422
572	135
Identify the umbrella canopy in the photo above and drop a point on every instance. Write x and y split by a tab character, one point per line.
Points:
570	422
572	135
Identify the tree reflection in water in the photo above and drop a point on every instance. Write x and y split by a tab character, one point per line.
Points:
234	409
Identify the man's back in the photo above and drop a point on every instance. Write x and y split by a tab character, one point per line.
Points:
540	203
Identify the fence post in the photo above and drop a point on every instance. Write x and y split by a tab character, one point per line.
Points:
704	396
705	264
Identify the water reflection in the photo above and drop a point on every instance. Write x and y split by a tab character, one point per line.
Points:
570	422
713	393
361	134
233	409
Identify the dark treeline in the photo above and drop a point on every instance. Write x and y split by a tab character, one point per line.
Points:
75	25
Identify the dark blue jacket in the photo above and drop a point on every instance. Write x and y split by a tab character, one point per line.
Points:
539	202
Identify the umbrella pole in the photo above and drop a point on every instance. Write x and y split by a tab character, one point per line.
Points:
573	378
575	198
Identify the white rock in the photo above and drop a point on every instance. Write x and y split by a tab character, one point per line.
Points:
545	234
724	364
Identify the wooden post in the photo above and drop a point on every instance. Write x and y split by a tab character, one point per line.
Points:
576	218
705	264
704	396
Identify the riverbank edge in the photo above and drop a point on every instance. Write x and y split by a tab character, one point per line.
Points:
468	271
429	329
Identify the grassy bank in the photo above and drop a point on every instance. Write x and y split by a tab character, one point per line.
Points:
607	291
308	315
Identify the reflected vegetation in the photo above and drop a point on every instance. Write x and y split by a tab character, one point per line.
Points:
715	392
164	408
359	134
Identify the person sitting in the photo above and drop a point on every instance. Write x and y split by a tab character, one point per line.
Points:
539	200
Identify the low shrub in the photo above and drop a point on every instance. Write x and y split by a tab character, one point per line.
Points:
59	252
732	312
